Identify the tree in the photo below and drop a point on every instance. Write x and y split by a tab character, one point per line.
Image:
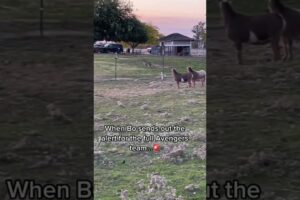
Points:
199	31
114	21
153	34
136	33
110	19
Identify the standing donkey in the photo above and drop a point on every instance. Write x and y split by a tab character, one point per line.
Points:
292	29
257	30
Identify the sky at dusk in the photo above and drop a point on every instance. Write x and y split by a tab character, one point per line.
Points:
171	16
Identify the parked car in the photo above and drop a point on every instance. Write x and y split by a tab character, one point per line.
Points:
155	50
97	47
149	50
111	48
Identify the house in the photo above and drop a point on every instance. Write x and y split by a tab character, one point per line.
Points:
177	44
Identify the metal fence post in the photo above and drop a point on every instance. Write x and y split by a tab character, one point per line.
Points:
163	59
116	58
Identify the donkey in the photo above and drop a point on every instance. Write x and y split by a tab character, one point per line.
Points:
197	76
292	29
182	78
256	30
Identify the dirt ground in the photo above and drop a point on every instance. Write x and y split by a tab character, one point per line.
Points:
145	100
151	88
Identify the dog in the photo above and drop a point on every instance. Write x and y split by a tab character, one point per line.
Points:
197	76
182	78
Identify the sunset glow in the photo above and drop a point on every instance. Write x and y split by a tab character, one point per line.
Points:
171	16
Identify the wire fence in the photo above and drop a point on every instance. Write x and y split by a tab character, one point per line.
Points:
127	66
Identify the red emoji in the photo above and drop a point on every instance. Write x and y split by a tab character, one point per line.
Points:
156	148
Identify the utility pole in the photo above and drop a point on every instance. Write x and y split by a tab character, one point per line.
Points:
41	18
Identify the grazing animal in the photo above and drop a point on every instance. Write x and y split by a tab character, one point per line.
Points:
197	76
292	29
182	78
147	64
257	30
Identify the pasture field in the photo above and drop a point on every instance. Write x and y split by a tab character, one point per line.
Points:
256	124
16	15
138	97
32	144
54	10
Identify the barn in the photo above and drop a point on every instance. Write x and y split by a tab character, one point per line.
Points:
177	44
